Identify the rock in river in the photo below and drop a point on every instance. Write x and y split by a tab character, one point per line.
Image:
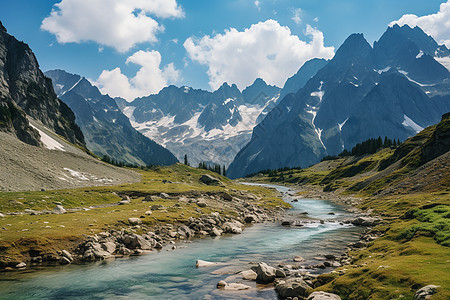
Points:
292	287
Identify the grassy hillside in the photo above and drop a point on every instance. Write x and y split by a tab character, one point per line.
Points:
409	186
95	209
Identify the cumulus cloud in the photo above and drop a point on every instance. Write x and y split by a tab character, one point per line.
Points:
296	18
150	78
437	25
114	23
266	50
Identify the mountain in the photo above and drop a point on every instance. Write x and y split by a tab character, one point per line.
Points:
26	93
106	129
207	126
393	89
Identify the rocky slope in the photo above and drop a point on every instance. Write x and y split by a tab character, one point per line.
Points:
340	105
25	91
107	131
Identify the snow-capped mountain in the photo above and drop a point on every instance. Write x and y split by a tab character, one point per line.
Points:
107	131
207	126
392	89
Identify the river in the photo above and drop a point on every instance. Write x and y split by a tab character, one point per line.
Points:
173	275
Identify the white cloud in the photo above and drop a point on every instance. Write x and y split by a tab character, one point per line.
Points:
296	18
267	50
150	78
258	4
114	23
437	25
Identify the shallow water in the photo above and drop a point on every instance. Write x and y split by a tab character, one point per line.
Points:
172	274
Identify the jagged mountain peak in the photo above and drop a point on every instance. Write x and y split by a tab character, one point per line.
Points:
355	45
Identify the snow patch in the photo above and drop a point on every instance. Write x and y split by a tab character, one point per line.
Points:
48	141
72	86
420	54
128	112
319	93
342	124
316	129
186	89
383	70
228	101
412	80
407	122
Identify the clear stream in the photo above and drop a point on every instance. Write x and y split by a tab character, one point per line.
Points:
173	275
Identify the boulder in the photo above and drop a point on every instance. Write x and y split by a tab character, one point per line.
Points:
209	180
292	287
221	284
298	258
323	296
66	254
109	247
135	241
185	231
164	196
250	218
125	200
201	204
156	207
64	261
59	210
2	215
134	221
232	227
365	221
215	232
204	263
426	292
265	273
236	287
21	265
249	275
226	197
148	212
148	198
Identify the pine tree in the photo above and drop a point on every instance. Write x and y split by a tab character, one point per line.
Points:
224	171
186	160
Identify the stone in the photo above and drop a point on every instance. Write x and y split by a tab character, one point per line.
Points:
2	215
125	200
156	207
185	231
426	292
250	218
292	287
148	212
67	255
221	284
201	204
59	210
209	180
298	258
64	261
134	221
204	263
280	273
366	221
249	275
164	196
21	265
148	198
330	256
135	241
232	227
265	273
236	287
109	247
323	296
216	232
286	223
226	197
158	245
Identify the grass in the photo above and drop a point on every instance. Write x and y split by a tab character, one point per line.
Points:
52	232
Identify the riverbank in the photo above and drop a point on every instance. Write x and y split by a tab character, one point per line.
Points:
174	270
37	226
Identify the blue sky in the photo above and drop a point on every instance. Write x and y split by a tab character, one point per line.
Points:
191	42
